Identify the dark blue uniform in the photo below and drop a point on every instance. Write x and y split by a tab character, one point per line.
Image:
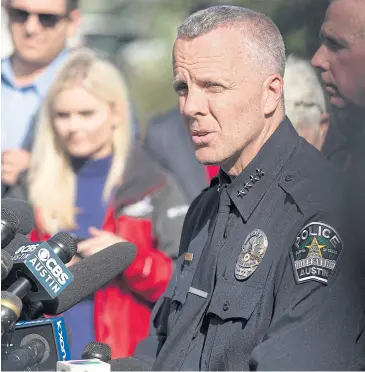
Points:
268	277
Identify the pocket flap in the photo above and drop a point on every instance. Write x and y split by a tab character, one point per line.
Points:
231	300
183	285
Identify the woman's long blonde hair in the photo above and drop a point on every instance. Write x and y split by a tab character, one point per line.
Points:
51	179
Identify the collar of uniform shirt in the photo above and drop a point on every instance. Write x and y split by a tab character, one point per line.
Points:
43	81
249	187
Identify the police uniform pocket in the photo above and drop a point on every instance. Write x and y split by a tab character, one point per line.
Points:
176	293
182	288
179	294
232	300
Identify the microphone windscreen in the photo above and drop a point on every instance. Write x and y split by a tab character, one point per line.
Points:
66	243
97	350
18	241
6	264
128	364
23	211
91	274
10	217
34	336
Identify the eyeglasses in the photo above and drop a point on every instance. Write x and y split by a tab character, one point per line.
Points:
47	20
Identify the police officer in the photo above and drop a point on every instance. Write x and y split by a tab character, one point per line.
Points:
267	278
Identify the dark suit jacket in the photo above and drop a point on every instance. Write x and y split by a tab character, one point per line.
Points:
168	142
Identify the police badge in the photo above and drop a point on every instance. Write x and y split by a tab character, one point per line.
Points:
315	252
253	251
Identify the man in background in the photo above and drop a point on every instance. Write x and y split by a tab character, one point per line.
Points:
305	102
39	31
341	60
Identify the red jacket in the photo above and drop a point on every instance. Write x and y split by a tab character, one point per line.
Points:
122	309
120	319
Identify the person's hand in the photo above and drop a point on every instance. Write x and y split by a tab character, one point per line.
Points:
100	239
13	162
74	260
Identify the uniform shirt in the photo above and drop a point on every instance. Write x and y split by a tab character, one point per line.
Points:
282	277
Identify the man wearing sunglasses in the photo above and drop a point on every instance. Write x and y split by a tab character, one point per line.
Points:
39	31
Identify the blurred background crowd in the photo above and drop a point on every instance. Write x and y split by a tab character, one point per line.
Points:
138	37
91	135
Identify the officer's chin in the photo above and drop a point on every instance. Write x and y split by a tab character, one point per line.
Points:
207	156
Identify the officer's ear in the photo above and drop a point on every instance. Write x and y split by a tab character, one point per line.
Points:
272	94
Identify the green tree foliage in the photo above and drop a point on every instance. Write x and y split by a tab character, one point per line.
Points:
156	22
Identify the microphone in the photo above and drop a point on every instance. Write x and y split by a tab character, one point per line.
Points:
128	364
41	344
33	349
94	358
97	350
11	307
91	274
23	211
39	270
9	226
6	264
18	241
62	244
91	365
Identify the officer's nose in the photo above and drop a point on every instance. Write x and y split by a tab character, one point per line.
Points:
194	104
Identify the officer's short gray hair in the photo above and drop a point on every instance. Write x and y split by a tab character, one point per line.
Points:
263	38
303	94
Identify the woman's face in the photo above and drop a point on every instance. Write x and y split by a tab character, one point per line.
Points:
83	123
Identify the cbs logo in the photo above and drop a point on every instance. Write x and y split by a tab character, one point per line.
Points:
52	265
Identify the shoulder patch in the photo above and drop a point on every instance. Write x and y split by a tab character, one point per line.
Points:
315	252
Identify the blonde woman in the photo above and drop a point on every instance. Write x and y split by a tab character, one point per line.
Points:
87	179
305	102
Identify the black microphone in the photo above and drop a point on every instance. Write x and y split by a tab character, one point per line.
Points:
91	274
37	345
33	350
8	252
9	226
11	306
94	358
39	270
6	264
128	364
23	211
18	241
97	350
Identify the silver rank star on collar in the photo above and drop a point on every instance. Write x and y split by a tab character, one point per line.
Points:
248	185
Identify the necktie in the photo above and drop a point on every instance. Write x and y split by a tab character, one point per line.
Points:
184	344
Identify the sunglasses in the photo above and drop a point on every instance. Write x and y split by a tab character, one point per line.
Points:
47	20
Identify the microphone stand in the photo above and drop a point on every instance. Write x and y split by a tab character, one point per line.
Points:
7	346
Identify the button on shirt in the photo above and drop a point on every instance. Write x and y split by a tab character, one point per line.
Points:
20	104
